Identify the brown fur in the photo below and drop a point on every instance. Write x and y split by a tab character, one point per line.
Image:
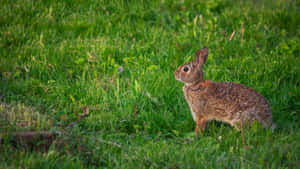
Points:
223	101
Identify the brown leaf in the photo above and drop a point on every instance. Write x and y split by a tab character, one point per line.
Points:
51	66
232	35
85	111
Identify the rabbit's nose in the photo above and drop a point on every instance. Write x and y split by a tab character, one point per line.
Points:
176	72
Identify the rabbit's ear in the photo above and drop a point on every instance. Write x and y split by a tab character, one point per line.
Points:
201	55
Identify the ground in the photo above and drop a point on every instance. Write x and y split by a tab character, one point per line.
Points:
116	59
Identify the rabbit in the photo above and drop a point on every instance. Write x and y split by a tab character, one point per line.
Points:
228	102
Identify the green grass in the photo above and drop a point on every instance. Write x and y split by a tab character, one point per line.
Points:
59	56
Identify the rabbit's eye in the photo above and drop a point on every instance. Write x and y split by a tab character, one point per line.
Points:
185	69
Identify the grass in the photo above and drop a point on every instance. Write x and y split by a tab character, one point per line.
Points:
59	56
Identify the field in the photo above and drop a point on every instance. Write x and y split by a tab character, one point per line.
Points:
106	68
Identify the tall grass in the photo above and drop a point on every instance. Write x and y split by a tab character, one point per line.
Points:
60	56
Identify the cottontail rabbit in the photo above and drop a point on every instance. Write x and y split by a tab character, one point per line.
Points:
223	101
